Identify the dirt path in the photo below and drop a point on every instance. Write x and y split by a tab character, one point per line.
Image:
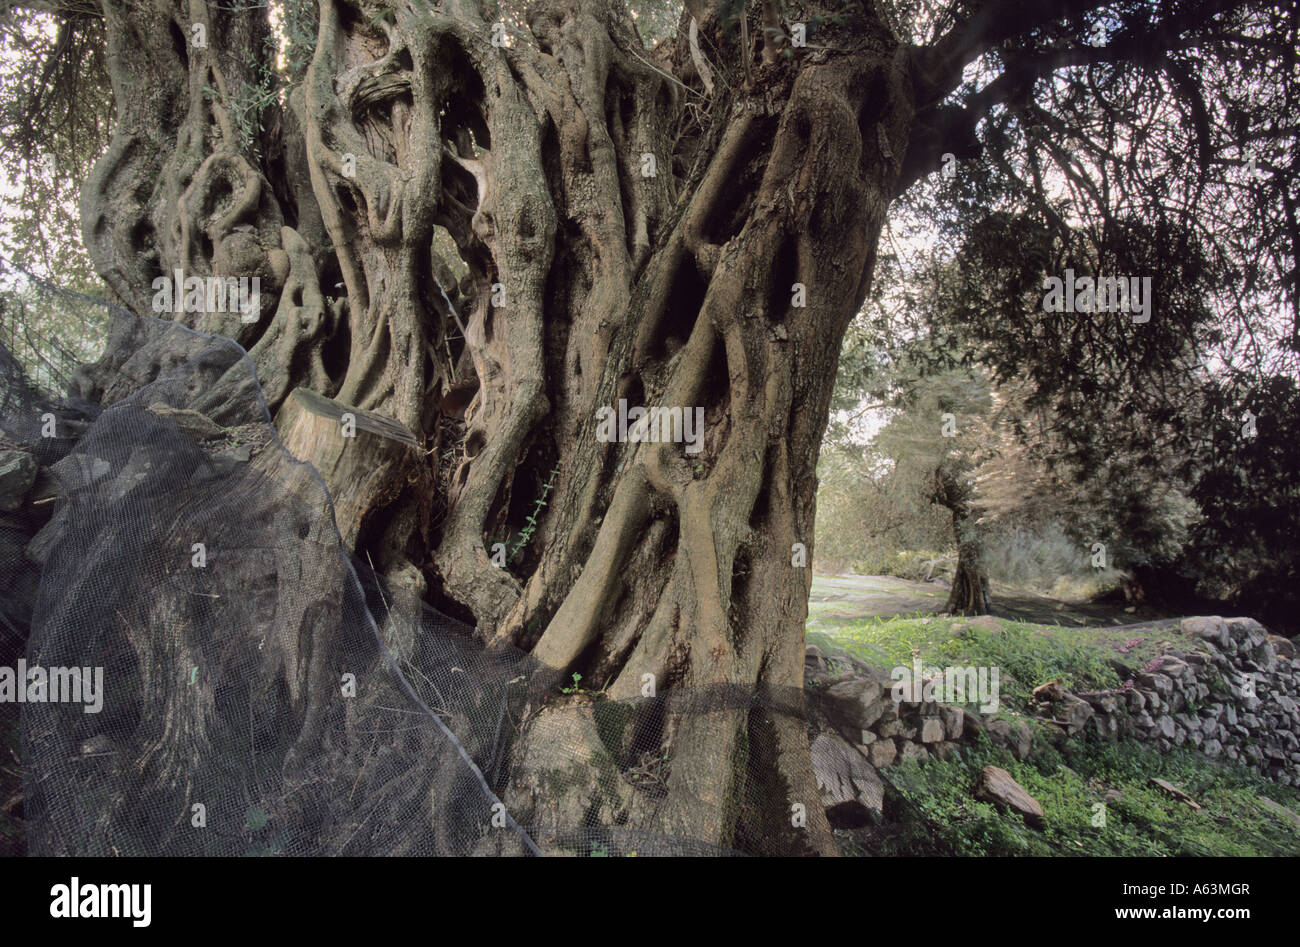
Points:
840	599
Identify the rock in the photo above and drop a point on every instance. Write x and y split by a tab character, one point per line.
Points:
43	543
1210	629
995	785
897	729
1121	667
882	753
1172	790
852	792
17	474
1049	692
1282	812
954	721
1157	683
1073	711
932	730
1285	647
999	732
1174	668
1022	741
1102	703
1017	738
1188	722
1246	630
198	426
855	704
908	751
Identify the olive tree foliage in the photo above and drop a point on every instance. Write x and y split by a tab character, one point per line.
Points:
56	113
488	222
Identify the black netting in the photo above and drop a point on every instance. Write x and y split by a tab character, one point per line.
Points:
203	572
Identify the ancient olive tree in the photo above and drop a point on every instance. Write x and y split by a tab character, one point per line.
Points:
489	224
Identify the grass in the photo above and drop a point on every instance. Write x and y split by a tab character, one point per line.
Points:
939	815
931	809
1027	654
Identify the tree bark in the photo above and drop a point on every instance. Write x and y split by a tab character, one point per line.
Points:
619	233
970	583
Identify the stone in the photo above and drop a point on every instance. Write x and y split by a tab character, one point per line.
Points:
954	721
1073	711
1284	647
882	753
855	704
897	729
17	474
1246	630
932	730
1172	790
908	751
1157	683
196	425
1103	703
1049	692
852	792
1174	668
1017	738
1187	722
995	785
1212	629
1022	740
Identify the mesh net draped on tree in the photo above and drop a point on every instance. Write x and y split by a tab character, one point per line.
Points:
203	572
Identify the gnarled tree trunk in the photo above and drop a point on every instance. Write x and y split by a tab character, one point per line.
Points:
552	225
970	582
